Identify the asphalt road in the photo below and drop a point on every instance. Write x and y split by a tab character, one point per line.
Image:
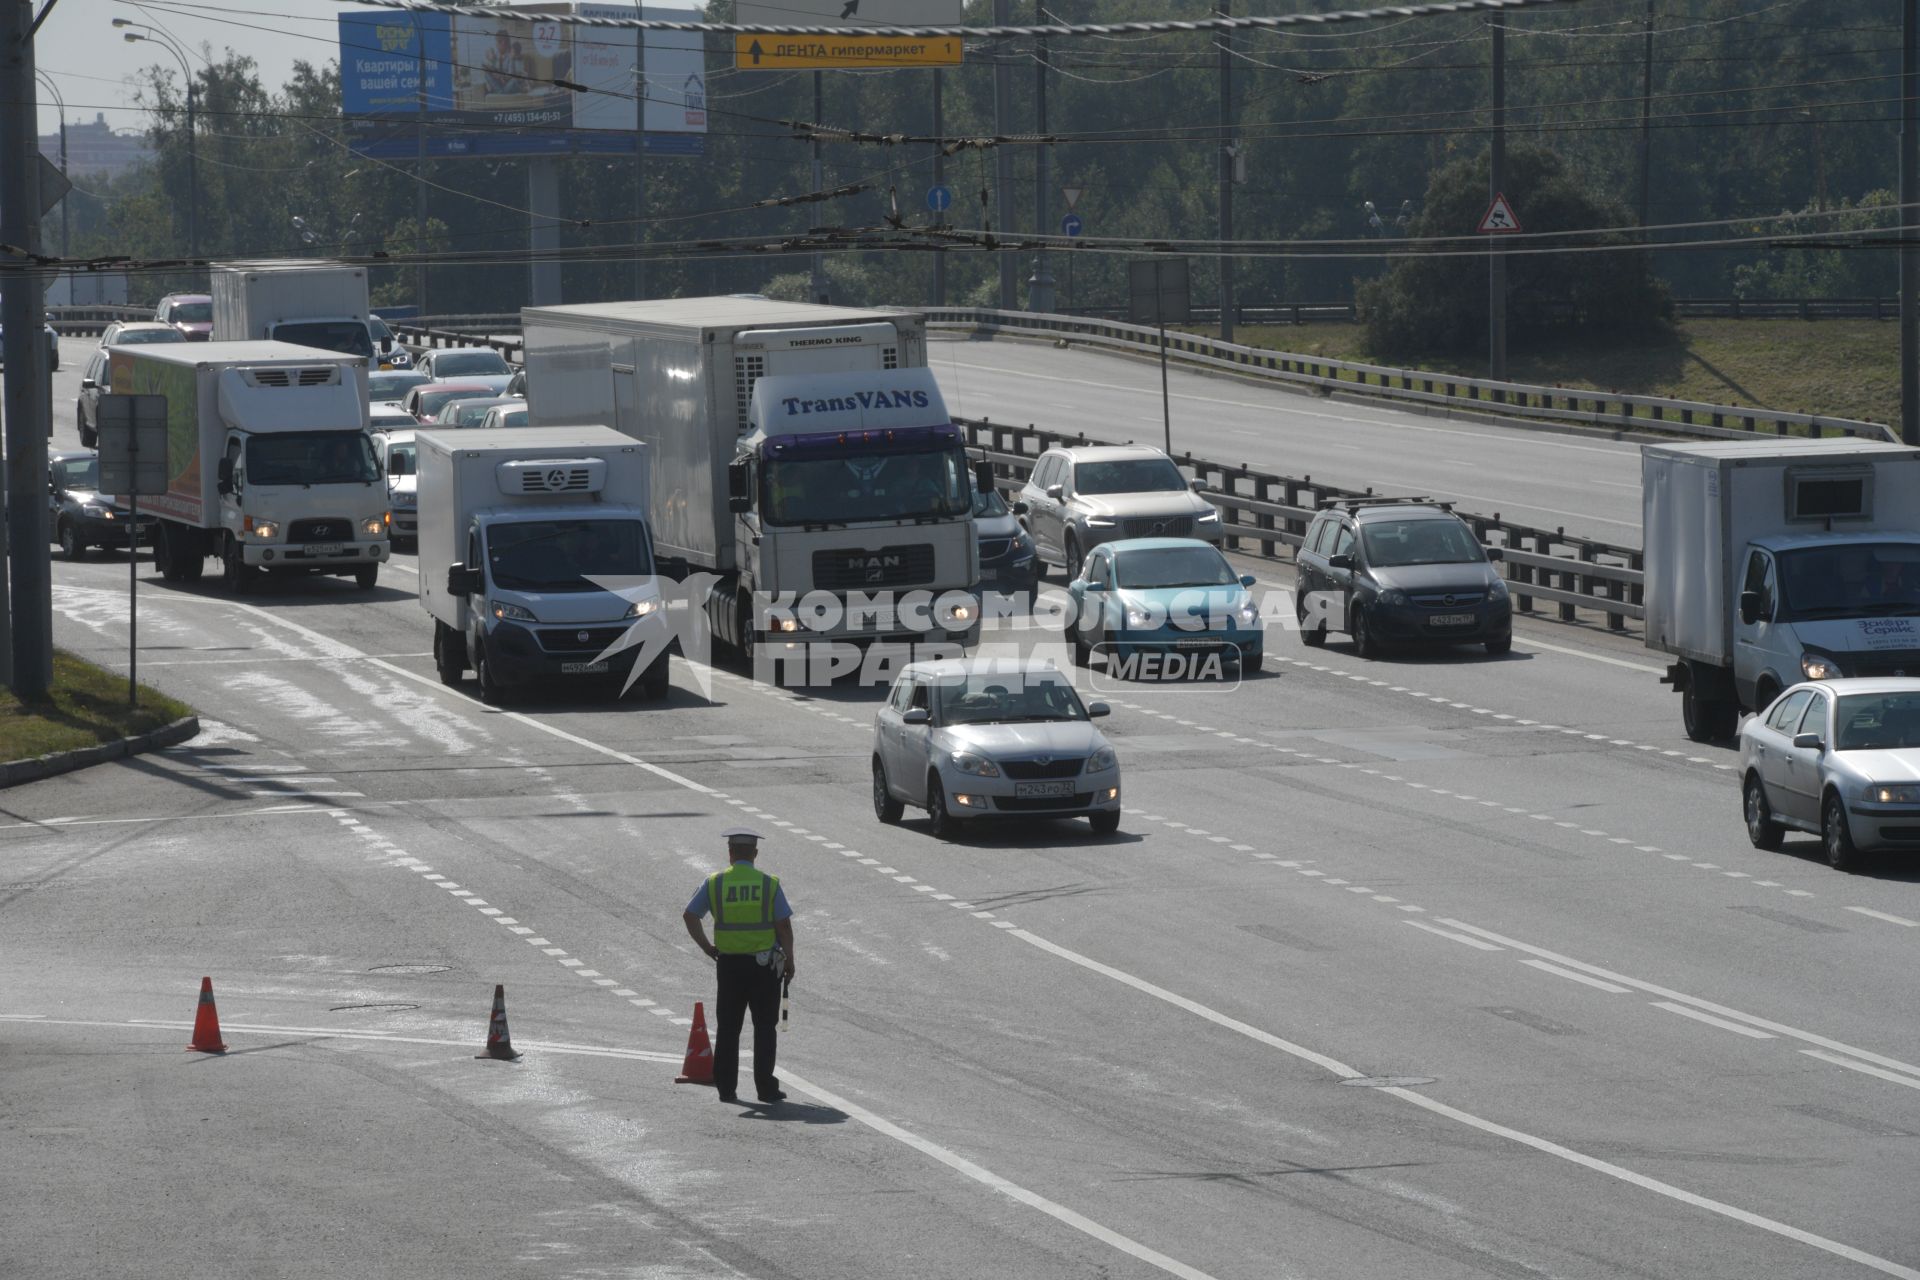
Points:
1437	967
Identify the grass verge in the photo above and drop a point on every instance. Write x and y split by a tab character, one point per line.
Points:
86	706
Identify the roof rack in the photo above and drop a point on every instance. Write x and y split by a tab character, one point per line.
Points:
1354	504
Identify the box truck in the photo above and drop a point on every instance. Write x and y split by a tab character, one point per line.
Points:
1769	562
311	304
802	455
269	465
536	561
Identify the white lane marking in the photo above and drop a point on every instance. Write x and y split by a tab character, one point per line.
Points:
1590	657
1881	915
275	810
1723	1023
1475	943
1778	1028
1555	969
1851	1065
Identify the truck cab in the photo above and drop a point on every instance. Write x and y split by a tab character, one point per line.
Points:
1820	606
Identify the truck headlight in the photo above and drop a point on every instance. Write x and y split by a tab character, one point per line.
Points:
642	609
978	766
512	612
1818	666
960	613
1102	760
1904	793
265	530
375	526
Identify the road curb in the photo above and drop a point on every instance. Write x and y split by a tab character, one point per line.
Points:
15	772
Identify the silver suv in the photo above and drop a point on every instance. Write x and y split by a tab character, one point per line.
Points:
1078	498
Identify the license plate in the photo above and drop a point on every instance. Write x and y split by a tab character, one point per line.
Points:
323	548
1043	790
583	668
1453	619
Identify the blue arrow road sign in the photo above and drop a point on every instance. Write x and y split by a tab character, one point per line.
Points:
939	199
1071	225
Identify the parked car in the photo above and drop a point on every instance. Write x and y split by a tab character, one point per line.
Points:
511	412
393	353
1007	560
93	385
392	384
79	514
400	461
1839	759
190	313
992	737
1399	571
1164	595
483	365
1078	498
134	333
472	412
424	400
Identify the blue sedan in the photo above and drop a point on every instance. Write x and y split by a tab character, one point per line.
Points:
1142	596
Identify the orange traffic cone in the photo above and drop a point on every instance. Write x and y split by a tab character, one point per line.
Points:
499	1043
206	1023
698	1068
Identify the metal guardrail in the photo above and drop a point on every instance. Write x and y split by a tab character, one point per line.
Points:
1683	309
1636	413
92	321
1264	512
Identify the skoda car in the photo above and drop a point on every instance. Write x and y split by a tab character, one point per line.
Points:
1839	759
1007	560
972	738
1164	595
1078	498
1399	571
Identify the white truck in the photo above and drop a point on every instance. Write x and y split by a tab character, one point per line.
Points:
269	464
536	561
1771	562
311	304
803	456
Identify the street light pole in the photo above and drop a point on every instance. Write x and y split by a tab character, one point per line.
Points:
167	42
61	103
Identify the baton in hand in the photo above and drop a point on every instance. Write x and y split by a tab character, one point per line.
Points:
786	986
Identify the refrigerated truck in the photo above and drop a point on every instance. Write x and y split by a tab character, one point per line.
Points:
536	561
1769	562
269	465
849	486
310	303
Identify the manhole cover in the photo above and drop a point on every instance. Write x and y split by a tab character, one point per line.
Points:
372	1008
410	968
1388	1082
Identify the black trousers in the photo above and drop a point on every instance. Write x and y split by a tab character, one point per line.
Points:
745	986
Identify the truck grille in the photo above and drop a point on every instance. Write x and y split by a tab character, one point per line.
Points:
311	376
1157	527
1897	662
568	639
863	569
331	529
1068	768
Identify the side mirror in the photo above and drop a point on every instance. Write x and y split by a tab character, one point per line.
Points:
88	384
1097	709
1056	492
1247	580
739	487
918	715
1197	485
1808	741
1496	553
463	582
1752	607
1019	508
983	476
1342	561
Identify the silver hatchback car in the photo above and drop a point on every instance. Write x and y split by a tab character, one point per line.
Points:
992	737
1839	759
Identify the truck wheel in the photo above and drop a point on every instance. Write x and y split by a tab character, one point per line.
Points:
366	576
654	683
163	553
492	692
449	654
1706	719
236	573
70	545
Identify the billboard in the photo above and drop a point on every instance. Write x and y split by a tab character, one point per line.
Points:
489	82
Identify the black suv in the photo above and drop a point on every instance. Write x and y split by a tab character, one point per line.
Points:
1399	571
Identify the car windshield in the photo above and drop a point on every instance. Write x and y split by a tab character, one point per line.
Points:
77	473
345	336
1007	698
1128	475
1398	542
432	402
1877	722
401	460
988	505
391	386
379	327
140	337
511	418
470	364
562	555
1851	580
191	313
889	487
466	415
1198	566
310	457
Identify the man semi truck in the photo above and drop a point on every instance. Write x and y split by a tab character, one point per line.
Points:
536	561
1769	562
802	454
268	460
311	304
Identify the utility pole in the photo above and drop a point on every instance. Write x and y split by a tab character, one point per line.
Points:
1496	180
1040	287
819	274
1003	157
939	180
1646	126
1227	150
27	390
61	104
1909	199
420	173
640	164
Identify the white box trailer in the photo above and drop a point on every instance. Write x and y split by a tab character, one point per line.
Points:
536	559
311	303
1761	560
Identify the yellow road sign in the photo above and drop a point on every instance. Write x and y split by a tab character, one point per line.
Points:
811	53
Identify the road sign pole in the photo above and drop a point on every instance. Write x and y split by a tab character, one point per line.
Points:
1160	314
1223	39
819	272
1040	286
1497	248
1003	156
940	182
133	599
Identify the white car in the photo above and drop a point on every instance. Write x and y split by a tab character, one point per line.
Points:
383	416
992	737
401	465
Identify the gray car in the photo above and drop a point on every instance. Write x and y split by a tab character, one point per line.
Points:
482	365
974	738
1078	498
1839	759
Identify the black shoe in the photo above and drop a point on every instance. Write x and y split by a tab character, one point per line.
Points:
729	1097
776	1096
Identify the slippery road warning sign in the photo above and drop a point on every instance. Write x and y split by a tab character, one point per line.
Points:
1500	217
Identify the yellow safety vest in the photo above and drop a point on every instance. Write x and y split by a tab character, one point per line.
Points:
741	899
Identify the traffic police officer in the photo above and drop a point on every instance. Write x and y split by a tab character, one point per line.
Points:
752	949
